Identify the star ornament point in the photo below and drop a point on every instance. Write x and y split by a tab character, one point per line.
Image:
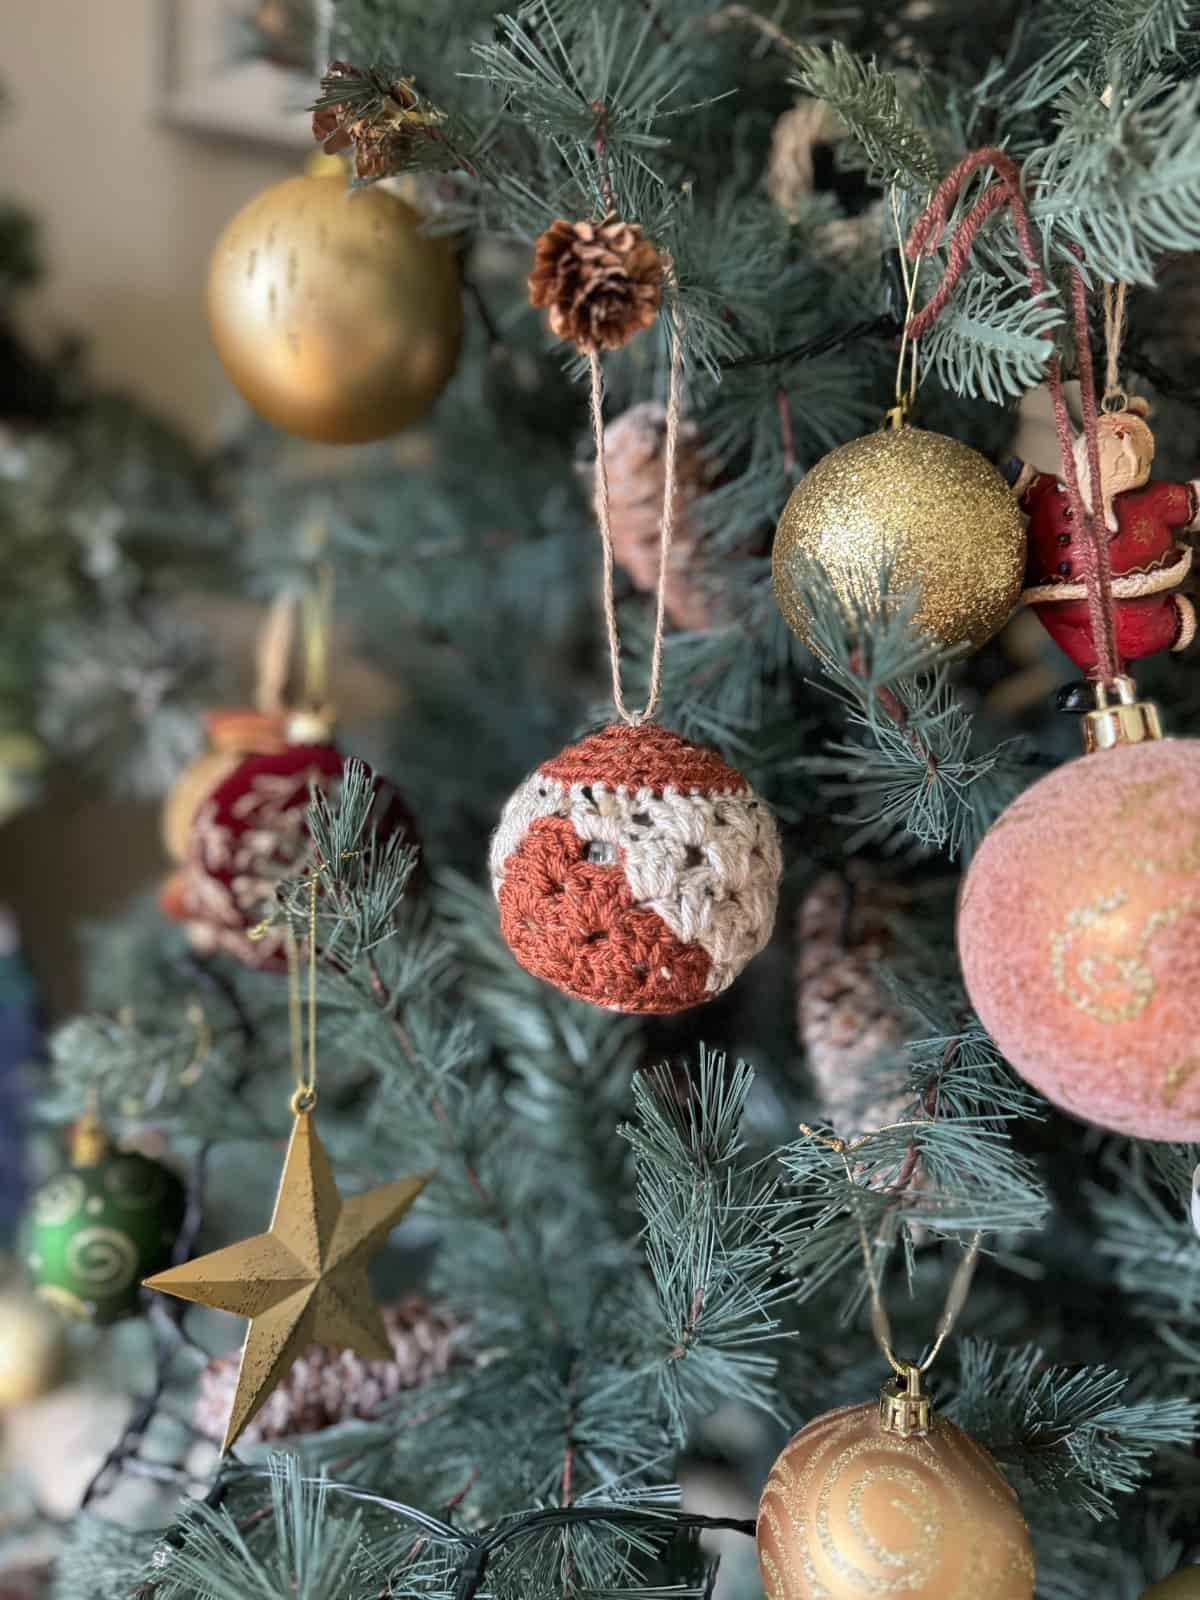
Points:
305	1280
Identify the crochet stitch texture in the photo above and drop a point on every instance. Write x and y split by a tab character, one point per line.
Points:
249	833
636	870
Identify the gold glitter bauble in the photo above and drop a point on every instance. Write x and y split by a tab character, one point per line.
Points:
931	507
33	1347
850	1510
1181	1585
335	316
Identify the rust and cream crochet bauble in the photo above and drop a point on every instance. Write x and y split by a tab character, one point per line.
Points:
852	1510
636	870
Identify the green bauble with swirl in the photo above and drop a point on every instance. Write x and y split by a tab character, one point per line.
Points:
95	1231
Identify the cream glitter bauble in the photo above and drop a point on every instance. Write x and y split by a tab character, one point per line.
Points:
1079	937
636	870
334	315
934	509
851	1512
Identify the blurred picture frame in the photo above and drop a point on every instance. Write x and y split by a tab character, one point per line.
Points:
232	69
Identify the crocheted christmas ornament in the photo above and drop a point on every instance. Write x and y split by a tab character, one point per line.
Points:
248	834
234	732
636	870
327	1386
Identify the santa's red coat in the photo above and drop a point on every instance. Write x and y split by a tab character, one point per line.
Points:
1143	544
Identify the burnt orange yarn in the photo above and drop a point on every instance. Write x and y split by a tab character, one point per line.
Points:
647	757
573	921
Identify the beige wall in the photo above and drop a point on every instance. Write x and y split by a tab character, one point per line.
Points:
130	208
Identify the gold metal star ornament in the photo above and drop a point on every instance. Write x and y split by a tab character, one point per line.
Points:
305	1280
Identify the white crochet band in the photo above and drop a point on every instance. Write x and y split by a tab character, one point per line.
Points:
707	864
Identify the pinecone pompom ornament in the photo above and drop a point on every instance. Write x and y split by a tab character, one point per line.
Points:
601	282
328	1386
633	444
845	1017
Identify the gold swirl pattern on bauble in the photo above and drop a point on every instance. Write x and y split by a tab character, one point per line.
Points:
102	1260
850	1512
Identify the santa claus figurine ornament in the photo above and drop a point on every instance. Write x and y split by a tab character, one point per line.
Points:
635	869
1142	518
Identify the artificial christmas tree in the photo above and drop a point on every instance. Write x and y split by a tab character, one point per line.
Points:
650	1261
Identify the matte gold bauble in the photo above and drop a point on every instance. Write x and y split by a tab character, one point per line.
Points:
852	1510
32	1348
931	508
1181	1585
334	315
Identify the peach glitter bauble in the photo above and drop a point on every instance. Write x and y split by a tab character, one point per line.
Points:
334	315
1079	937
851	1512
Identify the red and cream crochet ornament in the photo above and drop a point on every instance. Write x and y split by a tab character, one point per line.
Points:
636	870
249	832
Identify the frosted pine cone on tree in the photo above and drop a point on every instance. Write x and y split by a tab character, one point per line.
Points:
847	1021
327	1386
634	446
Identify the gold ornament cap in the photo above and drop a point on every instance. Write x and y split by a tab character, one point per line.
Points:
1120	717
904	1406
311	725
89	1141
320	165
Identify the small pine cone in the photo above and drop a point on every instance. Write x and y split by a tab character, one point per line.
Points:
600	281
790	170
381	117
846	1018
327	1386
633	447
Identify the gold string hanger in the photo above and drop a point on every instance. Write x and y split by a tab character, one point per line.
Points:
1114	397
304	1060
666	525
307	607
905	401
318	623
905	1407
